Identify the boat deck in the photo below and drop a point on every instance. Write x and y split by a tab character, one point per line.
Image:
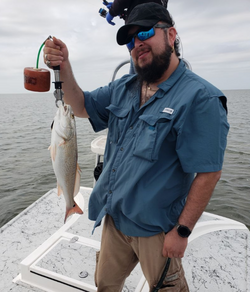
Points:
61	257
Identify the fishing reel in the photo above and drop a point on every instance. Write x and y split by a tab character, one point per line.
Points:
103	12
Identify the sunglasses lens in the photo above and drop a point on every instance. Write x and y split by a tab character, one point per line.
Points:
131	44
144	35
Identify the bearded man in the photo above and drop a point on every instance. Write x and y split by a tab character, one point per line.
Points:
164	153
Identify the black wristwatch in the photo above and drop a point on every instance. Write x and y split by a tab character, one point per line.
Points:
183	230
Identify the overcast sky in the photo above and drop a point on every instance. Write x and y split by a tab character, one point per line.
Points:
215	36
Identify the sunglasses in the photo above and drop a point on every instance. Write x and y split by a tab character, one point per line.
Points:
144	35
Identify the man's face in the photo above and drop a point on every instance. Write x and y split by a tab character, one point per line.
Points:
152	56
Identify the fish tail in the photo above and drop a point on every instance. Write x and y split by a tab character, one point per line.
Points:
73	210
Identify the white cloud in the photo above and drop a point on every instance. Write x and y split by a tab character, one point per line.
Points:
214	34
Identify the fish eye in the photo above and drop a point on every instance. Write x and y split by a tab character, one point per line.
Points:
72	116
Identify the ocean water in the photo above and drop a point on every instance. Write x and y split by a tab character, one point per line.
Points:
26	171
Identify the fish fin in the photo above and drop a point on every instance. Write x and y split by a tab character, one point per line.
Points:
52	149
59	190
71	211
77	180
62	143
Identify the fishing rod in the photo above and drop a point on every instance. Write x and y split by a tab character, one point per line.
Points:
163	276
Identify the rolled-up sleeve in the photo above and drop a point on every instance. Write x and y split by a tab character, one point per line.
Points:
95	103
202	139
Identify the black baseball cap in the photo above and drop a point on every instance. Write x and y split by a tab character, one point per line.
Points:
143	15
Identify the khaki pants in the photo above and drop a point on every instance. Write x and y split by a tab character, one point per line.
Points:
119	255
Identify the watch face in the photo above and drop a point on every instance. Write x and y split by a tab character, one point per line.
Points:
183	231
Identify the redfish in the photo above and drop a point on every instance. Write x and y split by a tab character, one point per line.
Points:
63	151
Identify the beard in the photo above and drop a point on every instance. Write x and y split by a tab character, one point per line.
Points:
154	71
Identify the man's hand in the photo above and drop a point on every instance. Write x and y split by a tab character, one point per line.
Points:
56	52
174	245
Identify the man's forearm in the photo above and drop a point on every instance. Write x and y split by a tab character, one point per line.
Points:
197	200
73	94
198	197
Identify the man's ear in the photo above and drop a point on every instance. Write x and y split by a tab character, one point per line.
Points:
172	36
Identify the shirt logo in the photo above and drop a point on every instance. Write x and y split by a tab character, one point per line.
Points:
168	110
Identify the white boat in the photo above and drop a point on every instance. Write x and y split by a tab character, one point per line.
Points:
40	253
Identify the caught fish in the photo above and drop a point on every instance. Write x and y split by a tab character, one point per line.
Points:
63	151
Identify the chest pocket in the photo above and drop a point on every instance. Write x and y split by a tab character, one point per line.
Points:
117	122
151	133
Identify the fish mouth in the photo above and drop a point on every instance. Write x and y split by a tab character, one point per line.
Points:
66	109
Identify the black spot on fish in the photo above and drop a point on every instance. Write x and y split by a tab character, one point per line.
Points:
52	125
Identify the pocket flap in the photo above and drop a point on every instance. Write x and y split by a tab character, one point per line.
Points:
118	111
160	118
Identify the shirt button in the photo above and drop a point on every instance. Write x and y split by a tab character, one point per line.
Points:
113	170
110	192
121	148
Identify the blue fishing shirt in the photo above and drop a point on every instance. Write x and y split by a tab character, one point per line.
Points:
153	152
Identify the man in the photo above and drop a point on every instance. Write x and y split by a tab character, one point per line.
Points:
166	124
123	9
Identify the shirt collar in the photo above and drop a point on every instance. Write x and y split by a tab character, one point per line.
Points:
167	84
174	77
130	80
